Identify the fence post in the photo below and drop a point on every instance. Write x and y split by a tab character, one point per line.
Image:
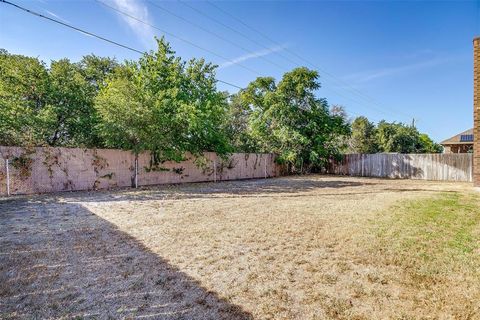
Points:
7	169
265	160
362	162
136	171
214	171
471	167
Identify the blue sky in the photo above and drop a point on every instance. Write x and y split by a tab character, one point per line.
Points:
393	60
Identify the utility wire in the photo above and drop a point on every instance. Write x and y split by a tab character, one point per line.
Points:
333	77
358	102
92	34
70	26
176	37
111	41
286	58
263	46
243	35
196	25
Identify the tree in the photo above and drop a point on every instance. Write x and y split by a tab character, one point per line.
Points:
165	105
96	70
427	145
288	119
401	138
50	106
396	137
72	118
364	136
24	87
338	110
237	125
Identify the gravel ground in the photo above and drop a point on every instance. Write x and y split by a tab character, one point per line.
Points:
282	248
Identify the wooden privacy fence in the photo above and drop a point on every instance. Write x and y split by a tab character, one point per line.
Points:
39	170
442	167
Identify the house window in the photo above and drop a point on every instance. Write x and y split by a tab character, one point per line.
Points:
466	138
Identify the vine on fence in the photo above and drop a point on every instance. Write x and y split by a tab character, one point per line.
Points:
98	162
49	161
203	163
23	164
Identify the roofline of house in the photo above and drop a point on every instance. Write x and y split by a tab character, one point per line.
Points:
453	140
455	143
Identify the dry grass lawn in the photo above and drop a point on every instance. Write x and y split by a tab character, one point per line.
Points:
313	247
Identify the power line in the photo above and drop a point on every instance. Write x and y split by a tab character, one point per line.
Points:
261	45
154	26
230	84
115	42
71	27
177	37
92	34
243	35
235	31
193	44
333	77
212	33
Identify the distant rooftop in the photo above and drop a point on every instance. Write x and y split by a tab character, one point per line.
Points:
465	137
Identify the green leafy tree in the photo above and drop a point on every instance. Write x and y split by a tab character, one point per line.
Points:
237	125
70	105
427	145
96	70
24	87
290	120
50	106
396	137
163	104
364	136
401	138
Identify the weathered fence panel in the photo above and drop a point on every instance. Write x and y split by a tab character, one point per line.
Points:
442	167
40	170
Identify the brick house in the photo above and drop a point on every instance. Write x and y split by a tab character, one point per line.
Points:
460	143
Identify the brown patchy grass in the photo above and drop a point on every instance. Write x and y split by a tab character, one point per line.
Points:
314	247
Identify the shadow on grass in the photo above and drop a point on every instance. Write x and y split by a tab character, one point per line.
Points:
291	187
61	260
255	187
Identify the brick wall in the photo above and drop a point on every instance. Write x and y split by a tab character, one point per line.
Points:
476	111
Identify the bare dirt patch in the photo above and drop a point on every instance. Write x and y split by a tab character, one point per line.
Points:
284	248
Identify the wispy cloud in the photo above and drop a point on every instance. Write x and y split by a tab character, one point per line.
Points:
56	16
393	71
253	55
138	10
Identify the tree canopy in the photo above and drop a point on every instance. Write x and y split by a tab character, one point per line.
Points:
287	118
389	137
364	136
164	104
48	106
